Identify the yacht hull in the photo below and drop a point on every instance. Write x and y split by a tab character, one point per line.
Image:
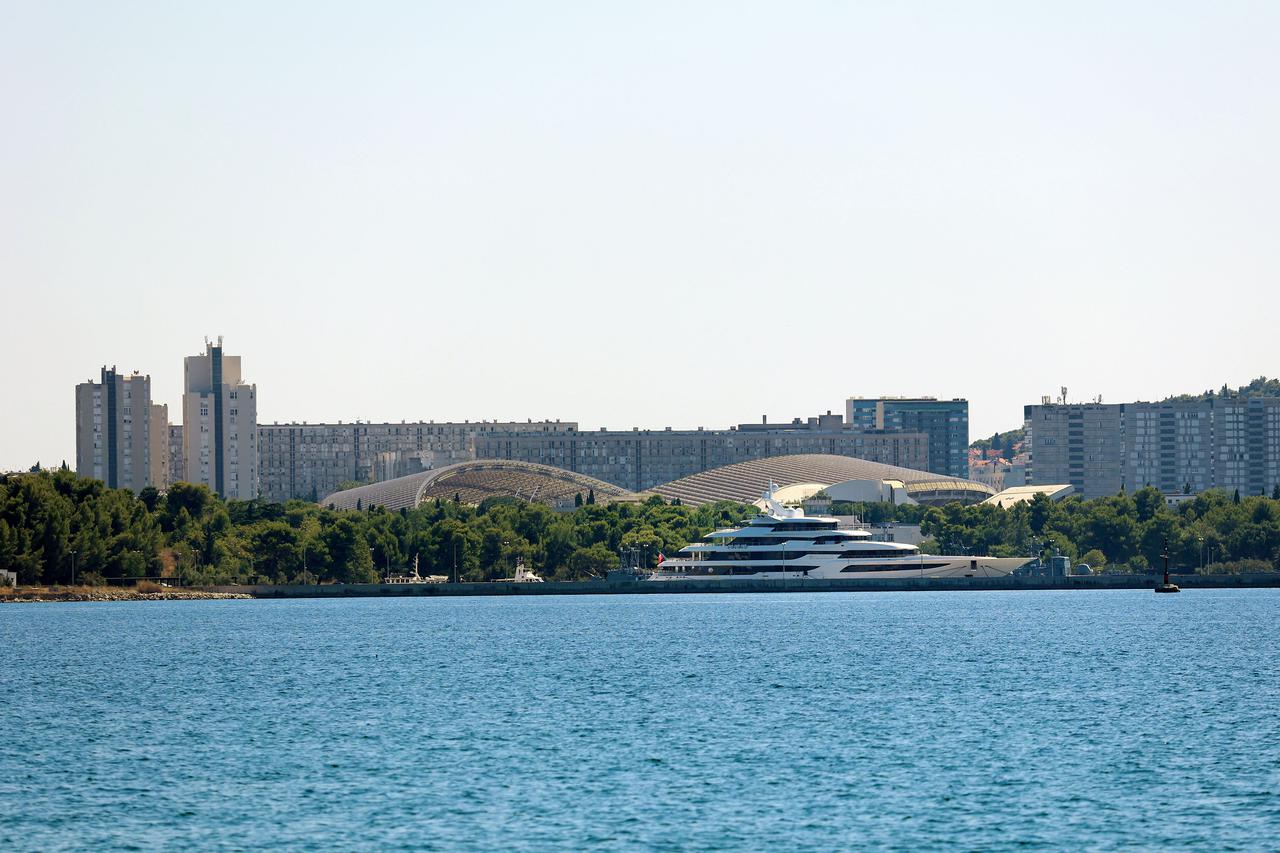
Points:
925	566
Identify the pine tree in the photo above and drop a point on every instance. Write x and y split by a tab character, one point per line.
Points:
1235	499
591	496
1275	493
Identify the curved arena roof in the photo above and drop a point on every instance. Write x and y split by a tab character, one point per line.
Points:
474	481
744	481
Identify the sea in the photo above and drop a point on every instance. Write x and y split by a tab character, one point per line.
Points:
1055	720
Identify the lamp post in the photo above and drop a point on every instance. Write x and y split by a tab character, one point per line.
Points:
73	567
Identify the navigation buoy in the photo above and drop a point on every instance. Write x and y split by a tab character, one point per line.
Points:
1166	586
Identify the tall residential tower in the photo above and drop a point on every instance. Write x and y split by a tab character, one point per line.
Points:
219	424
116	426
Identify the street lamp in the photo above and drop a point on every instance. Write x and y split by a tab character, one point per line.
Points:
387	575
73	567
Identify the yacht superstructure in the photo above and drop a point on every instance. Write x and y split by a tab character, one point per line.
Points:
784	543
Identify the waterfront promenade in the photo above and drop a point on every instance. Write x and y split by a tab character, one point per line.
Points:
614	586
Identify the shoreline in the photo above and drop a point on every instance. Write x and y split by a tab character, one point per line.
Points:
614	586
23	595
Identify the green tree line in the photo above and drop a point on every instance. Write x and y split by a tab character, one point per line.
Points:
1216	530
55	524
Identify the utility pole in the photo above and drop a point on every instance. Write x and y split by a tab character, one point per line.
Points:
73	567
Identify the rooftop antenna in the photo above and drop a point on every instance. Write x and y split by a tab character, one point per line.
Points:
1064	395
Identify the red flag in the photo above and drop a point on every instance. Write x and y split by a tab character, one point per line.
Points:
660	558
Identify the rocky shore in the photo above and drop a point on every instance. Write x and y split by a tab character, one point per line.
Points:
12	596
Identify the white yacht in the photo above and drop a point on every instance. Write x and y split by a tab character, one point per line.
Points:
784	543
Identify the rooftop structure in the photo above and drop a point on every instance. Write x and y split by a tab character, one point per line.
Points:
472	482
741	481
796	476
1025	494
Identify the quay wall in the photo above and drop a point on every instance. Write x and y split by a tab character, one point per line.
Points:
634	587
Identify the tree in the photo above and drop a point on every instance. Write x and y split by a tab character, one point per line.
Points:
1041	509
277	549
1275	492
577	499
1095	559
195	500
591	496
150	497
348	551
1148	502
1235	499
593	561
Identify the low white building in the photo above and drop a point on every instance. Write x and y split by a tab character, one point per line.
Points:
1025	494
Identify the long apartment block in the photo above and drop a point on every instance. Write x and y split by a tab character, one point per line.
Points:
640	459
309	461
1176	445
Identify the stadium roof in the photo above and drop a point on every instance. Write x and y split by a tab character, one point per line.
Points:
744	481
474	481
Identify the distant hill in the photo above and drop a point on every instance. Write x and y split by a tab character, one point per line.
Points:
1260	387
1008	443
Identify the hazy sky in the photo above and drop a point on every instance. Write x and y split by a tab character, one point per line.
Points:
650	214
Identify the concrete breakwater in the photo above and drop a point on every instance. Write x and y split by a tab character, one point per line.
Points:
635	587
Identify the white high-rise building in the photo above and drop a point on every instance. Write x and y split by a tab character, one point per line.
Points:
219	424
116	424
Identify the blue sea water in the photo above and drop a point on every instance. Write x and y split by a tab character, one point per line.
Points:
994	720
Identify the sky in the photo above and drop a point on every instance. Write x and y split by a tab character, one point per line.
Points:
648	214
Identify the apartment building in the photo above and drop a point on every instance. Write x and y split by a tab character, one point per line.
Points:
945	422
219	424
116	427
640	459
309	461
1215	442
177	457
1081	444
